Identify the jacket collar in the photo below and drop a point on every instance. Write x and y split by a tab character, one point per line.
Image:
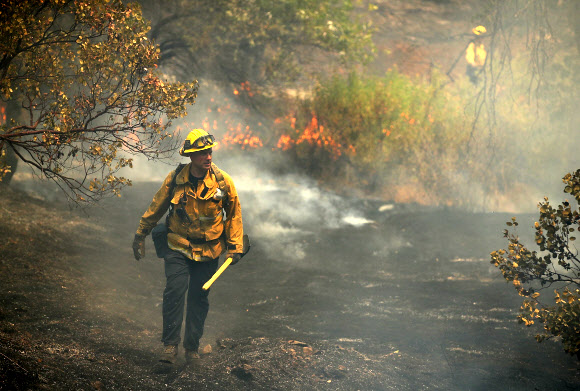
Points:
183	175
209	180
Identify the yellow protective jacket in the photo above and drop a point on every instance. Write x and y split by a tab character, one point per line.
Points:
202	232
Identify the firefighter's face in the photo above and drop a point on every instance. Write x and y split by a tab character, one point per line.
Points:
201	161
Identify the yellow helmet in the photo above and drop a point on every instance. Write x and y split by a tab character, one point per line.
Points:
197	140
479	30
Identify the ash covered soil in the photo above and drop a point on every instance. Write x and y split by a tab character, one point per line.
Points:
360	296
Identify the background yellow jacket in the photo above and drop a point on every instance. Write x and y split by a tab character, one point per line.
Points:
205	233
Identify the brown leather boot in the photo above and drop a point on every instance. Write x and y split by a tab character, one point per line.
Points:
191	356
169	354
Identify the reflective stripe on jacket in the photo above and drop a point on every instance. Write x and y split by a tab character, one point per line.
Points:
199	230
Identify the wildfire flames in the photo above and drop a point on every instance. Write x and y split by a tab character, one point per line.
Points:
313	134
245	138
244	87
240	135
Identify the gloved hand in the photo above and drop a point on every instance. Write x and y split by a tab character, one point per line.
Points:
139	246
234	256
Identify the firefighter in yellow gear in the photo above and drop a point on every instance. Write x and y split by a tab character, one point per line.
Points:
204	221
475	54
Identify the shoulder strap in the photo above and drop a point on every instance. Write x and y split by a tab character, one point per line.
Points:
220	178
172	186
221	184
177	171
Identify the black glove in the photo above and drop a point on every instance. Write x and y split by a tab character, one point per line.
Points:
235	257
139	246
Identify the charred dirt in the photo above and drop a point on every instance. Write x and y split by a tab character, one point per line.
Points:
406	301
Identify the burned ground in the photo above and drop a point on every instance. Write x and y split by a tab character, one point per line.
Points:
407	301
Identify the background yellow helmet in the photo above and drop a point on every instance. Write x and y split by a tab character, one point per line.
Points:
479	30
197	140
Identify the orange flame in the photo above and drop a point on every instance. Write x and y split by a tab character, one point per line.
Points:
243	138
244	87
314	135
240	135
285	142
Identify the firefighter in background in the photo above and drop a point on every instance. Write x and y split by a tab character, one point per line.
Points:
197	195
475	54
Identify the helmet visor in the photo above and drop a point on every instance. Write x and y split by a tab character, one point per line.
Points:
200	142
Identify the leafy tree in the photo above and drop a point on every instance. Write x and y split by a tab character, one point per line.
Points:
89	95
558	269
249	40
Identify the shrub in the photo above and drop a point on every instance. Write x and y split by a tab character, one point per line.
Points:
374	131
558	269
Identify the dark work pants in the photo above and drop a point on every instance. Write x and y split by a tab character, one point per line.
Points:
185	276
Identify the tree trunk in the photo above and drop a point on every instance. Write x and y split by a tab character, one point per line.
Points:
12	111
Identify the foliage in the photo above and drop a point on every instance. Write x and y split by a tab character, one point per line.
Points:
249	40
559	268
84	75
390	129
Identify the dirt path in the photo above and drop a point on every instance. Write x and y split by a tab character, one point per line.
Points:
415	308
